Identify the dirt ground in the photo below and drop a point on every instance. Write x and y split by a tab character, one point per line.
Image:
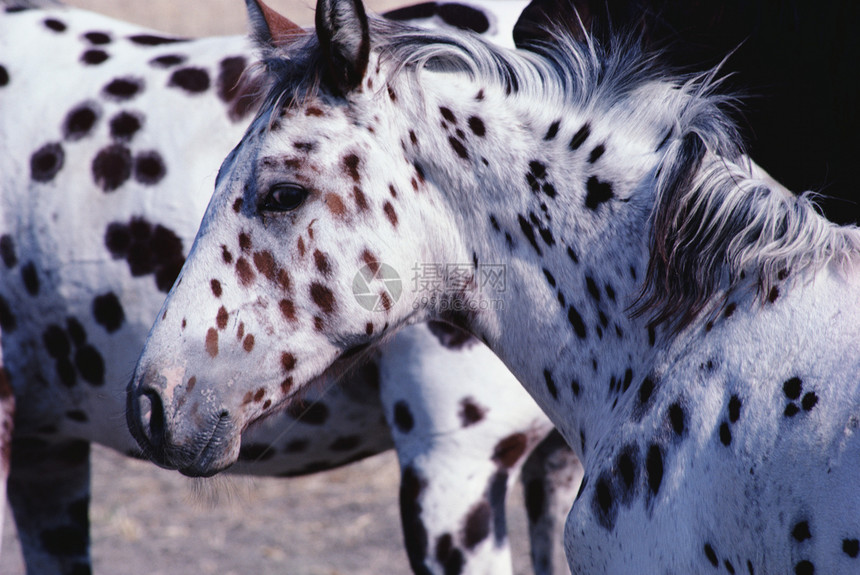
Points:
148	520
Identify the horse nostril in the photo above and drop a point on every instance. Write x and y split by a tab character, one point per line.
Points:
157	431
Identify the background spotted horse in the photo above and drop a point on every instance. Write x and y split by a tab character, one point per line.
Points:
112	135
717	423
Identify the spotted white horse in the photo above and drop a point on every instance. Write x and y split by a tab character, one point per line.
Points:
111	137
716	418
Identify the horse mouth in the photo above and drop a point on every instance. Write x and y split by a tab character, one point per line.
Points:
212	458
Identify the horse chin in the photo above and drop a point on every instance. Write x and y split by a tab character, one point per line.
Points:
217	455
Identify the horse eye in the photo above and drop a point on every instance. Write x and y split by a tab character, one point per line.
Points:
284	198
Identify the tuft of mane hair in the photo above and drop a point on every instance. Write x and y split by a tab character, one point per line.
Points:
715	222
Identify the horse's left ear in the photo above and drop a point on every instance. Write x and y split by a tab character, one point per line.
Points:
269	28
344	37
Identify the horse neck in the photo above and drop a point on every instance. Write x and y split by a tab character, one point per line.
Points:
565	210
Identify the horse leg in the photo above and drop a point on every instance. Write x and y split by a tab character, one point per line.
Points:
49	491
550	478
7	415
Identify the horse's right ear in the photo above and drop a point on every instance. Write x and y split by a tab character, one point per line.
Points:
343	32
270	29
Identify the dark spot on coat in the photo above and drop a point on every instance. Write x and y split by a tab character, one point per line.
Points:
8	322
46	162
809	401
791	410
54	25
288	362
30	277
851	547
550	384
529	233
90	365
470	412
154	40
351	163
597	192
7	251
477	526
112	167
4	76
211	343
167	61
229	76
56	342
80	121
804	567
552	131
509	450
580	136
97	38
108	311
125	125
149	168
244	272
576	321
221	318
654	468
725	434
403	419
448	114
390	213
603	502
360	198
192	80
677	418
801	531
415	537
711	555
94	57
792	388
477	126
321	262
773	294
323	297
596	153
458	147
735	408
123	88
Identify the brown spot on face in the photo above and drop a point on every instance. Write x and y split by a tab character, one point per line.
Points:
773	295
216	288
244	271
288	361
385	300
237	205
509	450
240	331
414	183
258	397
212	342
390	213
392	190
283	279
287	385
265	264
221	318
319	324
244	242
192	381
226	255
368	329
335	205
247	398
413	138
321	261
288	309
392	94
323	297
314	111
360	198
301	246
350	164
184	323
370	260
248	342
